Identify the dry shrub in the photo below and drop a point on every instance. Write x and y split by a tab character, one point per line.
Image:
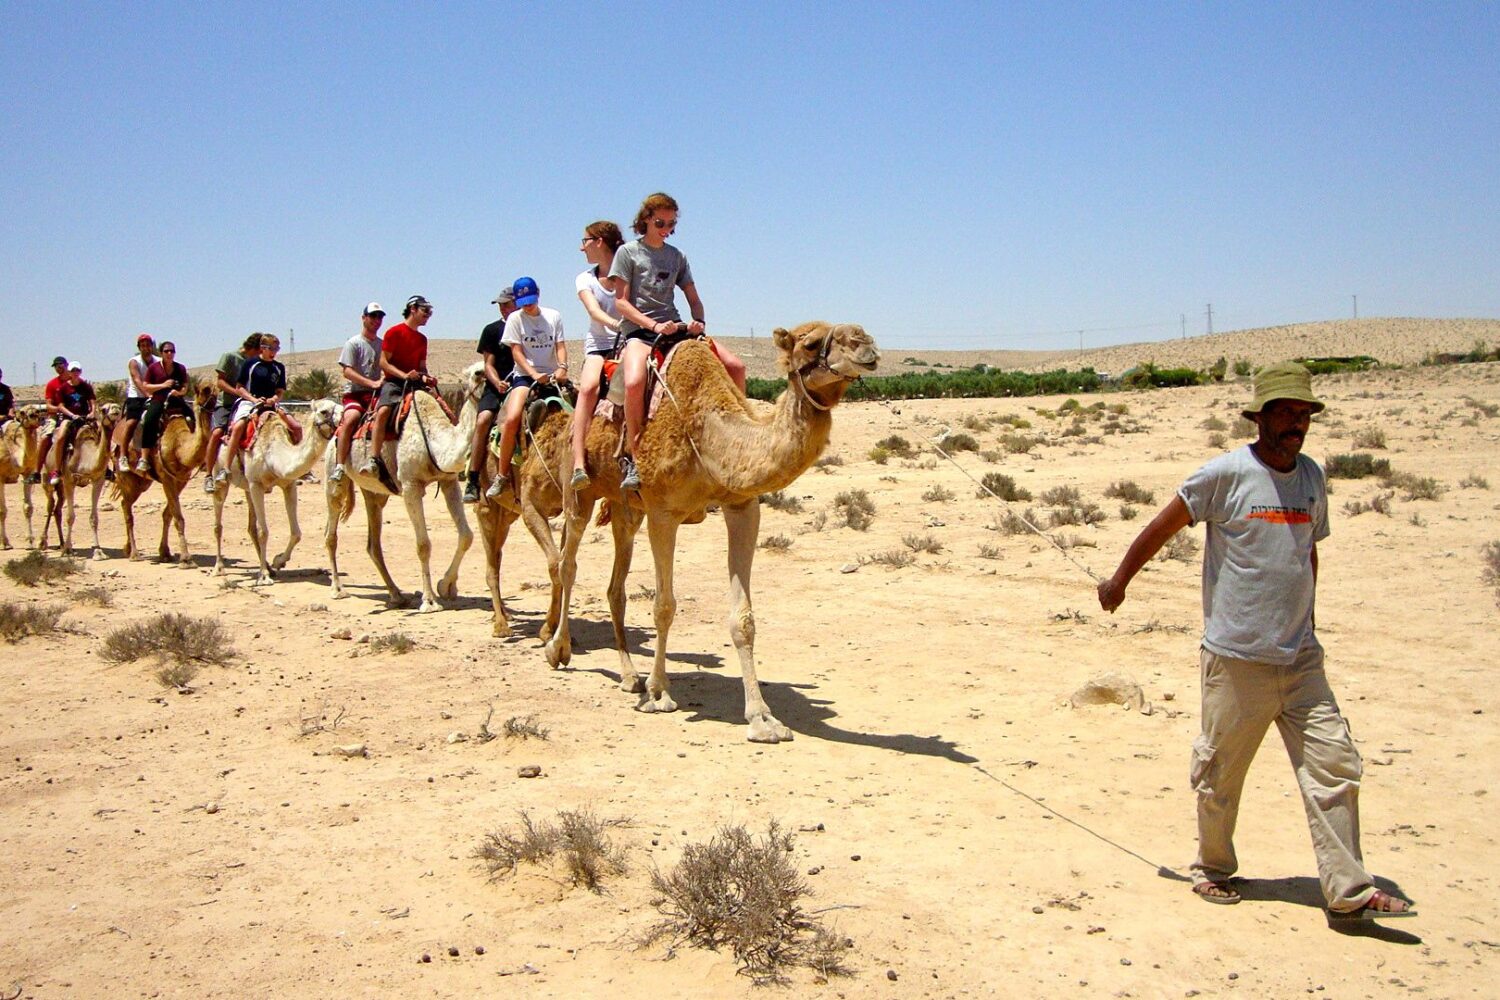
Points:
578	837
1217	440
990	552
938	494
1127	490
1181	548
17	621
1012	523
1066	541
879	455
855	508
170	636
177	674
1356	466
1214	424
896	445
960	442
922	543
977	423
1243	428
396	643
96	596
1127	512
1002	486
37	567
891	558
1369	437
829	461
1414	487
776	543
524	728
744	893
782	502
1061	496
1490	555
1473	481
1380	503
1020	444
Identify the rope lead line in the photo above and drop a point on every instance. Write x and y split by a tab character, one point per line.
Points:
1042	534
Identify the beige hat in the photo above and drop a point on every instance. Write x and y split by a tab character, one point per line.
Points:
1283	380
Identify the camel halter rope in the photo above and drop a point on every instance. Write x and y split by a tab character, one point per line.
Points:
1033	528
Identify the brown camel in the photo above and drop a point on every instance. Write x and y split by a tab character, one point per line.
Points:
87	459
707	444
178	456
18	451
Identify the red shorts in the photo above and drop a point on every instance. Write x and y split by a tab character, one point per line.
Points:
359	400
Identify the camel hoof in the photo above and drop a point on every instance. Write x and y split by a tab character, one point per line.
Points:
278	563
428	607
662	704
768	730
338	595
262	581
501	630
448	591
632	684
397	601
558	655
98	554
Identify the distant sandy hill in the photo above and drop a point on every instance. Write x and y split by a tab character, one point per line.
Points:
1391	341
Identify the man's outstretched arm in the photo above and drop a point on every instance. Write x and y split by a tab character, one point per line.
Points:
1169	521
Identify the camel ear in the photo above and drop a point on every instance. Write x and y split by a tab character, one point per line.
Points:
783	339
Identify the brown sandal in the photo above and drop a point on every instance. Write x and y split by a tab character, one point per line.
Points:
1380	906
1219	892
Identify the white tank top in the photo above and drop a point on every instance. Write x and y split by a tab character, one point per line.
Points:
131	392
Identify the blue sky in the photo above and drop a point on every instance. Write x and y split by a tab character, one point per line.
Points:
948	174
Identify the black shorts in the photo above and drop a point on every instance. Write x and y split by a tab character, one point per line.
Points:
606	354
490	401
135	406
221	417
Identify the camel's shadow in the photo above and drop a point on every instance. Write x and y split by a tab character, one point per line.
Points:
1303	890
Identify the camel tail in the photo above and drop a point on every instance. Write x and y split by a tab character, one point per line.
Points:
605	513
347	511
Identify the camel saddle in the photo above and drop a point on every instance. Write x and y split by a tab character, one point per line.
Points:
663	350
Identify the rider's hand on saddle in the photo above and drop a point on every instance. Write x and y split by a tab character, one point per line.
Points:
696	327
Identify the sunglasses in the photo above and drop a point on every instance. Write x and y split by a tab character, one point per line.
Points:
169	350
664	224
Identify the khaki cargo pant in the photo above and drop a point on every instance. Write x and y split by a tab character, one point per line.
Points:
1241	699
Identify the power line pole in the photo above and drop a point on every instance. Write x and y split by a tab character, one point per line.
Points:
33	373
1210	318
1184	326
1080	345
1356	306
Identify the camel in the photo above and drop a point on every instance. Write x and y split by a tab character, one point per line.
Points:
87	459
178	456
273	461
431	449
707	444
18	450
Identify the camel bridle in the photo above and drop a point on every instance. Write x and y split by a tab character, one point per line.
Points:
819	360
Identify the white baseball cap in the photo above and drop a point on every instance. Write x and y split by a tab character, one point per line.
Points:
373	308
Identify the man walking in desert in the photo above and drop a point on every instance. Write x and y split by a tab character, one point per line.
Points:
1266	508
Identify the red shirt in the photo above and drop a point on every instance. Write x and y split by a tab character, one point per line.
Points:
54	390
405	348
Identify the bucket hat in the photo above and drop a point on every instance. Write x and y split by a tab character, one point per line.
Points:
1283	380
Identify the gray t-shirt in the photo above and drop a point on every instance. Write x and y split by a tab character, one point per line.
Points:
229	367
364	357
1257	567
653	276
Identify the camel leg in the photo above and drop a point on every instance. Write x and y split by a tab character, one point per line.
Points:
220	496
294	530
336	496
743	525
411	494
576	522
172	517
127	512
374	518
447	586
26	510
98	488
536	523
69	504
494	528
663	534
4	538
623	526
54	514
260	530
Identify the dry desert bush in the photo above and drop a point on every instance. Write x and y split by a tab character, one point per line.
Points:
1369	437
524	727
17	621
1127	490
1214	424
782	502
1011	523
578	838
172	637
938	494
1182	548
37	567
1474	481
1217	440
855	509
1380	503
990	552
1002	486
1356	466
776	543
744	893
177	674
1243	428
1490	555
890	559
895	445
396	643
1127	512
922	543
96	596
955	443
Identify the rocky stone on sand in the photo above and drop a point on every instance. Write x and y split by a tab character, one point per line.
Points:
1111	689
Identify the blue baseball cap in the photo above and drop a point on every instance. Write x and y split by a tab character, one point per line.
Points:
525	291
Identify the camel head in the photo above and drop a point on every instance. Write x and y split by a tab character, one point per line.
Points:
474	381
205	394
325	416
110	414
825	358
31	415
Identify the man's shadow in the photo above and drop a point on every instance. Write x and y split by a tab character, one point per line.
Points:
1303	890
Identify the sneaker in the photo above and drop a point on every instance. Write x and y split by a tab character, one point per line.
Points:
338	474
632	476
54	480
143	467
471	490
580	480
221	477
497	485
33	479
369	468
208	483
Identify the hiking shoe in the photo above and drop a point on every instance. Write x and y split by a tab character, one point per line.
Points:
471	490
54	479
208	483
497	486
632	475
221	477
338	474
580	480
143	467
369	468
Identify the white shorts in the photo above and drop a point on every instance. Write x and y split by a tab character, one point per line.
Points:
243	410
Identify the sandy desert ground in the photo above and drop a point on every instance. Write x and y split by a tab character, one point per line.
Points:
972	833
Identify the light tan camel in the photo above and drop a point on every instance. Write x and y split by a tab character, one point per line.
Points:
710	445
178	455
87	459
431	449
18	450
273	461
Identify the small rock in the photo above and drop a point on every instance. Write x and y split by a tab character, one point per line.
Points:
352	750
452	952
1234	975
479	949
445	715
1124	961
849	568
317	607
891	975
341	633
529	771
854	857
1037	909
1169	696
458	737
211	808
1110	689
814	869
365	637
426	957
